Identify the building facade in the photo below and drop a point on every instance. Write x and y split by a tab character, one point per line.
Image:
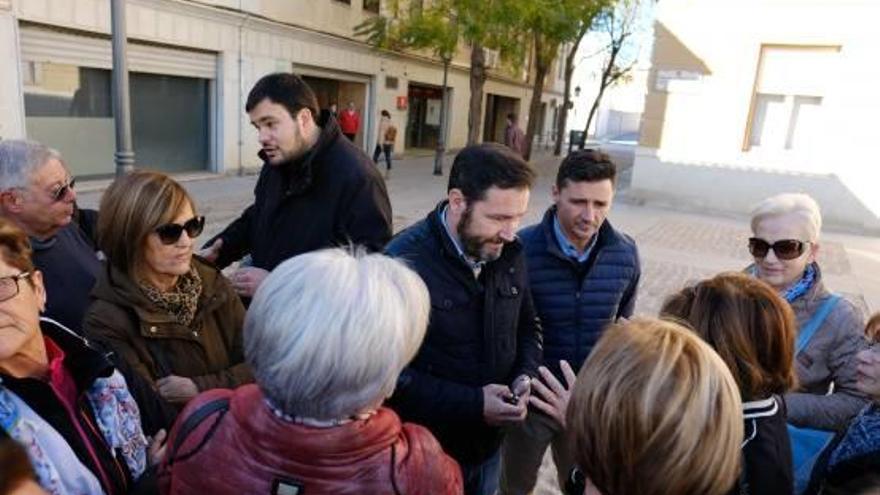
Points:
192	63
748	99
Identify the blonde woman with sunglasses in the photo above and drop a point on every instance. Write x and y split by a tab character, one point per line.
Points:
785	246
172	317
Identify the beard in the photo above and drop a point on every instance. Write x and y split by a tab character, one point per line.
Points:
475	246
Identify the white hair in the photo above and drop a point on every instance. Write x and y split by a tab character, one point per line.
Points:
782	204
19	159
328	332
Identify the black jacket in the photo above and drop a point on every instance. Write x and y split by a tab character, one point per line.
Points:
332	196
576	301
766	450
481	331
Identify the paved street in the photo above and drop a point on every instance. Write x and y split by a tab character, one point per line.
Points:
675	247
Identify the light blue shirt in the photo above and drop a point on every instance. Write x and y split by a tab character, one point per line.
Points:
476	266
567	247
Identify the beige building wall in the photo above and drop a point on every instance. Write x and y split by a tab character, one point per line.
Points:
719	128
264	36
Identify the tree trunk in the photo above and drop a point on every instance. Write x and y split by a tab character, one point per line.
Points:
562	121
441	139
604	82
541	69
478	80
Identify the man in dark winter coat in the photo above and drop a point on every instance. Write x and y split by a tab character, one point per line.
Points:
316	189
483	343
583	274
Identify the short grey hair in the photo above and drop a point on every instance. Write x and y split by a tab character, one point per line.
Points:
19	159
328	332
782	204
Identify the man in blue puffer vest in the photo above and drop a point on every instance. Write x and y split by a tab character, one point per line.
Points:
583	275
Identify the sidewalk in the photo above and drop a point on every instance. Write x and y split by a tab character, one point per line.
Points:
675	247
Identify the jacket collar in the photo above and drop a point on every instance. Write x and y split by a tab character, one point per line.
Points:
85	363
808	302
344	443
450	251
117	287
299	175
606	236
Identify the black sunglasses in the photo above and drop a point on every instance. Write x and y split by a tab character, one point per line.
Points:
170	232
786	249
61	192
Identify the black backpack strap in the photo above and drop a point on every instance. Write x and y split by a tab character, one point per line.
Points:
192	421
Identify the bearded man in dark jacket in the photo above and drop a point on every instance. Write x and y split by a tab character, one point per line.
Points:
316	188
471	376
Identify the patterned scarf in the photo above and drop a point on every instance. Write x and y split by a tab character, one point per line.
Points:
181	301
800	287
58	470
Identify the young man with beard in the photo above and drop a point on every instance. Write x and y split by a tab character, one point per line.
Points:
472	373
316	188
584	274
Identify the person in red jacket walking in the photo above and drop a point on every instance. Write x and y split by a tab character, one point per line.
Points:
327	335
350	121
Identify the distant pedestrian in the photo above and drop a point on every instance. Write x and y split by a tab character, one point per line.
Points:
333	110
315	190
385	141
513	135
350	121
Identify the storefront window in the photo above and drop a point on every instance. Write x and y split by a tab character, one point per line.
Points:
69	108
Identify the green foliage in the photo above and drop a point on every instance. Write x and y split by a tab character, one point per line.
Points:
442	25
555	22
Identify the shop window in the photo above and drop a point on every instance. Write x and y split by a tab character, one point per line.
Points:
69	108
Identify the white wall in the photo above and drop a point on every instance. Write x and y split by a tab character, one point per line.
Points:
704	121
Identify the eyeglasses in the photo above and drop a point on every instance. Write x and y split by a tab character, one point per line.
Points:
786	249
61	192
9	285
170	232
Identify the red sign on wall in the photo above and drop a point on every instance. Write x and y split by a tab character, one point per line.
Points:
401	103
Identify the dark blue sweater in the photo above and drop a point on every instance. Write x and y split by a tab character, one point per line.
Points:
575	301
69	264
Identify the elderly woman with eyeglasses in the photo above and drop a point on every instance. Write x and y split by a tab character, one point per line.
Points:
173	318
785	245
61	399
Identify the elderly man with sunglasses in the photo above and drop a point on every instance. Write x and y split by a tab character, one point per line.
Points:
785	246
36	193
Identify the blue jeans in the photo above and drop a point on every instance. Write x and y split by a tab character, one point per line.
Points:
482	479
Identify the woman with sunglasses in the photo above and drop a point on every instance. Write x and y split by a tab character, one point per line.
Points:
785	245
170	315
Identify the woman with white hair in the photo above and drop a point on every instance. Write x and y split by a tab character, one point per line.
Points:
785	245
326	336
